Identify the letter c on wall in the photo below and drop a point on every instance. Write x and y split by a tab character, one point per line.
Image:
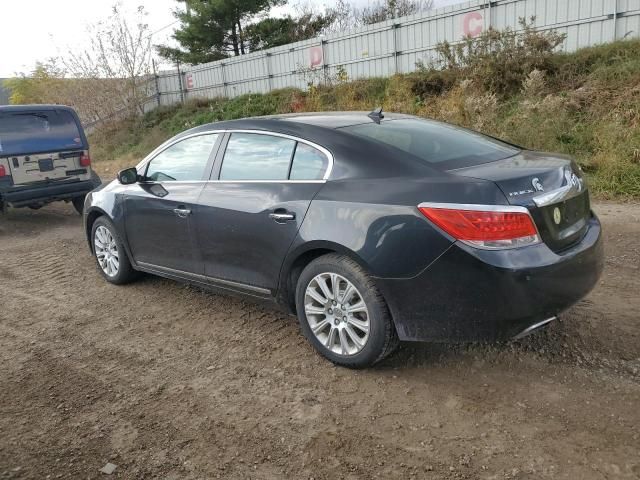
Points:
472	24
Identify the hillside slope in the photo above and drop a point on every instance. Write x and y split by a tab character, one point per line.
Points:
586	104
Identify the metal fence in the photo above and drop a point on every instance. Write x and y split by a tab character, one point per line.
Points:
394	46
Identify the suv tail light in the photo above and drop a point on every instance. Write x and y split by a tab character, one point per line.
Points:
490	227
3	171
85	160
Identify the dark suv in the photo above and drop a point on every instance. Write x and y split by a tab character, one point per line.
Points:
44	157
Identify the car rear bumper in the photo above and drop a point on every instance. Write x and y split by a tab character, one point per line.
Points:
481	295
20	196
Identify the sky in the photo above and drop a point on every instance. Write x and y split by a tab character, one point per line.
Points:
34	30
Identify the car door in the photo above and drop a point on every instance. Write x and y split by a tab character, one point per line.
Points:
250	213
159	210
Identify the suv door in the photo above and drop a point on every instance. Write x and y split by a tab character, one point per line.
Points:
159	210
250	214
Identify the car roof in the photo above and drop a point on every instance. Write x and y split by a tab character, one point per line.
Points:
327	120
354	156
30	108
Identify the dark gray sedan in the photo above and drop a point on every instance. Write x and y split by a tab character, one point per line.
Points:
372	228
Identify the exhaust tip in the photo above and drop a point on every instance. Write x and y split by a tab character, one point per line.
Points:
536	326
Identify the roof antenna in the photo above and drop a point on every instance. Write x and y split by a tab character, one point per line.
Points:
376	115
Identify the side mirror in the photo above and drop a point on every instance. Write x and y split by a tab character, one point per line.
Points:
128	176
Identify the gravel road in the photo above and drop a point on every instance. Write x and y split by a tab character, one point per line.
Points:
164	380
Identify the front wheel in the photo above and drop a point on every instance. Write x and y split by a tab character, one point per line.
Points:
342	313
108	250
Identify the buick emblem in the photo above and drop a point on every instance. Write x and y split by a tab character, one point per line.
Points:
557	216
537	185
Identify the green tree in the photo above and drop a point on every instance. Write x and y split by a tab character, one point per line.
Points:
213	29
273	32
42	85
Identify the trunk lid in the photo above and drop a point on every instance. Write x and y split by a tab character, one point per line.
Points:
549	185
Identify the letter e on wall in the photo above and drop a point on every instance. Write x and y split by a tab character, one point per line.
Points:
316	57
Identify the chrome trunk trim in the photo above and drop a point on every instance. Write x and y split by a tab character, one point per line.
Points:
574	187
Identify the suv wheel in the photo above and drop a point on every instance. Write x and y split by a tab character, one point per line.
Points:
78	203
342	313
108	250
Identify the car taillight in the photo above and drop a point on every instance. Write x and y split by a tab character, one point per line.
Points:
484	226
3	171
85	160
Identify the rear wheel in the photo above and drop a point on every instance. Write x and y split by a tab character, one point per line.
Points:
342	313
108	250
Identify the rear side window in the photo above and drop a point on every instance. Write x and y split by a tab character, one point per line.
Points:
442	145
38	131
308	163
252	156
182	161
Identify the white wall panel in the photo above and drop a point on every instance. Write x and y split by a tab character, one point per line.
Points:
369	51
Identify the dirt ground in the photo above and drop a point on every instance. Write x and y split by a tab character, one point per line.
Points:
167	381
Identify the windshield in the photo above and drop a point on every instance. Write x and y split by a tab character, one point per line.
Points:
440	144
38	131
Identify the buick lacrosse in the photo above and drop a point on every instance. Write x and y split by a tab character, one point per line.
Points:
371	227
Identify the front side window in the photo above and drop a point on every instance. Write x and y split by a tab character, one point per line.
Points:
182	161
309	163
439	144
253	156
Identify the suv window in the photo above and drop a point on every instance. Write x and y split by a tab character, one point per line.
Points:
182	161
253	156
440	144
309	163
44	131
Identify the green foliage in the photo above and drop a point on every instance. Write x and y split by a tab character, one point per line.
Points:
212	29
273	32
38	87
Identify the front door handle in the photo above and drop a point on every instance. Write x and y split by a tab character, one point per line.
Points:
182	212
282	217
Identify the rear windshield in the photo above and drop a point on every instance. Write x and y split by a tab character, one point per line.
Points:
38	131
440	144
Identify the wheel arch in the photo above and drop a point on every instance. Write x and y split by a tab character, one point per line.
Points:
298	259
92	215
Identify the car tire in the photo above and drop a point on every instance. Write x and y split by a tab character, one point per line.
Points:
78	203
106	244
351	345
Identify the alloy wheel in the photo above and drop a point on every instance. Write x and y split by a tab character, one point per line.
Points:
106	251
337	314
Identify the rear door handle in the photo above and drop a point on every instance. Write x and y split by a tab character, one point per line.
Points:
182	212
282	217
